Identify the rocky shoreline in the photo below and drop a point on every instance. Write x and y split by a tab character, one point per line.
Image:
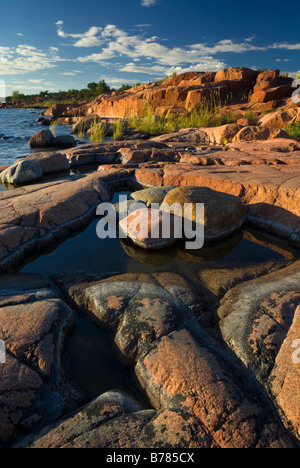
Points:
213	357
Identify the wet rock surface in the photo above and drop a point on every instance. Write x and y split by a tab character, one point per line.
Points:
215	356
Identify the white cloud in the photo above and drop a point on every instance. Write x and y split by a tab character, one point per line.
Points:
25	59
24	87
88	39
36	81
72	73
114	80
133	53
20	34
149	3
118	43
283	60
285	46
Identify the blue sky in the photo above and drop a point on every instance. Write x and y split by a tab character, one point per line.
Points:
66	44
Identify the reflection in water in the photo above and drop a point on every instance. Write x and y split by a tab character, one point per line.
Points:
91	364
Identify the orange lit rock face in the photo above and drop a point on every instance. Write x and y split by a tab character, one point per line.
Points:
185	92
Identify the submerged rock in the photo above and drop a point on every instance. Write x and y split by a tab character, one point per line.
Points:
21	173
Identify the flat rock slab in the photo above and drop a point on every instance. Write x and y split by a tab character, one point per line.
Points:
285	377
201	384
259	320
115	421
143	307
181	368
34	324
35	217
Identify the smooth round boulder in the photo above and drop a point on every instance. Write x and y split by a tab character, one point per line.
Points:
42	139
150	229
223	213
152	195
64	142
21	173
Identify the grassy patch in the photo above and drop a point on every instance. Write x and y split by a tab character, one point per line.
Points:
294	130
208	114
118	130
98	133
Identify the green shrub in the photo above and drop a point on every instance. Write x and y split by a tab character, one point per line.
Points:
294	130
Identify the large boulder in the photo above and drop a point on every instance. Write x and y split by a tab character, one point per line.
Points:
223	213
280	118
58	109
50	162
152	195
223	134
247	75
42	139
259	133
64	142
21	173
272	94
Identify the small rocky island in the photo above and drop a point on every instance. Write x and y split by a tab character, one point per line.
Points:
215	357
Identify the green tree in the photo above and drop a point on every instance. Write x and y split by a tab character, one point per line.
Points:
18	97
124	87
102	87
